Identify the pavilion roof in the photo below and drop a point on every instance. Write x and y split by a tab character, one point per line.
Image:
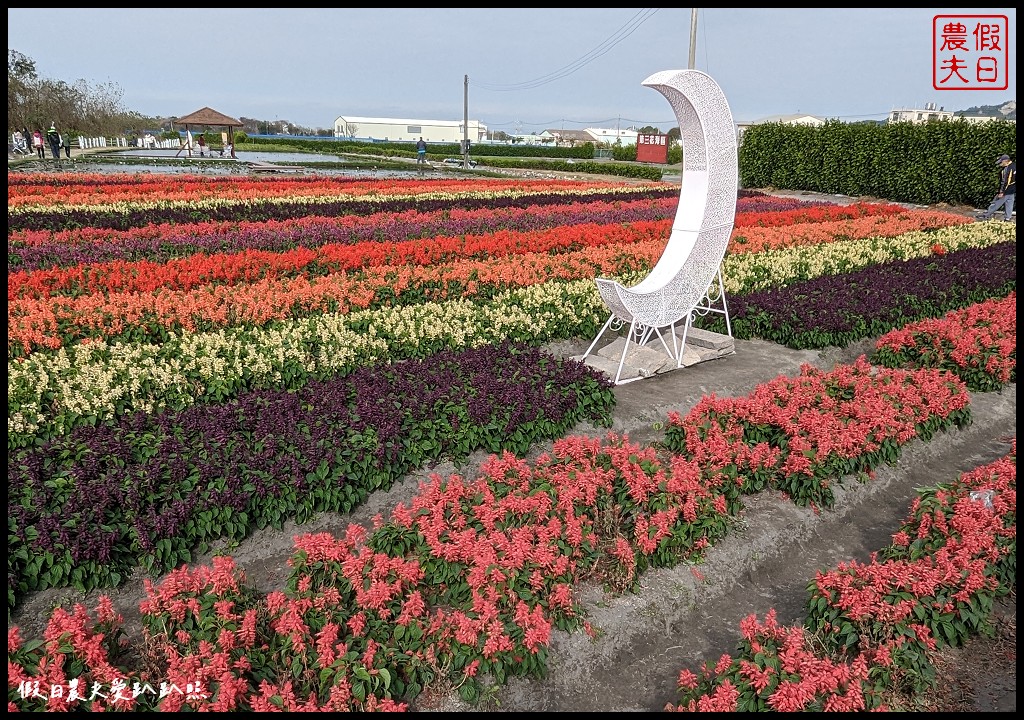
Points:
208	116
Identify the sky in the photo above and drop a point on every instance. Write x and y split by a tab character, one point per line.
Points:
517	70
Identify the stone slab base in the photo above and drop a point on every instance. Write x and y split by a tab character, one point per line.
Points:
652	358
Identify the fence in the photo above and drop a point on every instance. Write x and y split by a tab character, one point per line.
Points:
150	142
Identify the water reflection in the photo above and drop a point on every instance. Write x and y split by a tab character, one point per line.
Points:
119	161
241	155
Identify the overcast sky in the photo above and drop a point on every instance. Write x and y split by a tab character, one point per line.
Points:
529	69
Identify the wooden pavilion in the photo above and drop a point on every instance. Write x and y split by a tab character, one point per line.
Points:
208	117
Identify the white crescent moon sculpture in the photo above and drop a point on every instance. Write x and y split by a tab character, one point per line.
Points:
681	281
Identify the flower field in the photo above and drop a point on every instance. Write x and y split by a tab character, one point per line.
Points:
193	359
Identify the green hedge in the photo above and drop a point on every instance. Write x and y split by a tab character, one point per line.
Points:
951	162
645	172
940	162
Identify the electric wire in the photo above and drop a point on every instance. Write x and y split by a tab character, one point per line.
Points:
638	19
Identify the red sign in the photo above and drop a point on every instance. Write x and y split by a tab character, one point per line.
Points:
652	148
970	52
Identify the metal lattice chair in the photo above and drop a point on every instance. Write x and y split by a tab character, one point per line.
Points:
687	278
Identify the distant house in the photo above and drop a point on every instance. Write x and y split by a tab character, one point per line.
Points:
982	118
349	127
920	115
791	119
612	135
567	137
598	136
530	139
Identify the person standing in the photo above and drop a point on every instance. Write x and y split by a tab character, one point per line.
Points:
65	141
53	137
38	143
20	146
201	144
1007	190
421	152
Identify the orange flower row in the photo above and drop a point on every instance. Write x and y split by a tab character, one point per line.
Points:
813	214
250	266
106	189
760	239
254	265
52	322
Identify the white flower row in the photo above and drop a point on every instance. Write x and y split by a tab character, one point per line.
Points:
53	392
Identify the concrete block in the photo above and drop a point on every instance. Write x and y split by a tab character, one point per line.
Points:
692	356
613	349
705	339
648	361
610	367
651	359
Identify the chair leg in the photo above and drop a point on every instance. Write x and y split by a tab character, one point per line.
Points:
606	326
664	344
725	305
676	351
682	342
625	349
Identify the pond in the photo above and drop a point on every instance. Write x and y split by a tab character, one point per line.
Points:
241	155
140	160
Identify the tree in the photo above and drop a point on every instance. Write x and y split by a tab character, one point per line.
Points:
35	102
21	81
349	130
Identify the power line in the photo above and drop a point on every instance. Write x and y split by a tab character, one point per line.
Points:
621	34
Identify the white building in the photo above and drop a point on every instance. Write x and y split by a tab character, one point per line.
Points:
404	130
611	136
920	115
598	136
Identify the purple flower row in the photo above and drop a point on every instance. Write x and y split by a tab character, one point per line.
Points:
150	489
839	309
185	240
55	219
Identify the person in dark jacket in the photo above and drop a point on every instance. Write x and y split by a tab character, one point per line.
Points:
1007	190
53	137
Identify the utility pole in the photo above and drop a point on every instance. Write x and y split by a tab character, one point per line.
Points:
693	38
465	124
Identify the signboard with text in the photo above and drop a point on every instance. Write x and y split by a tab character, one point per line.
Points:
652	148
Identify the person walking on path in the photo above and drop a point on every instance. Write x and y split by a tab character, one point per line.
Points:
1007	190
38	143
53	137
201	144
65	141
421	152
